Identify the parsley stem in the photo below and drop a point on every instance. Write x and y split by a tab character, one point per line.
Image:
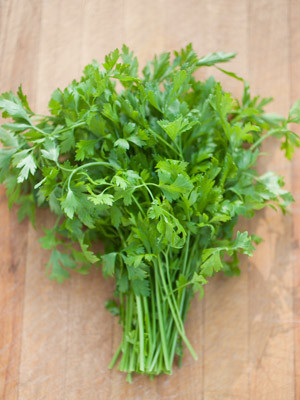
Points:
158	352
132	356
187	245
149	191
170	292
141	332
63	168
178	322
166	143
160	318
106	164
144	184
147	325
126	333
115	357
38	129
152	332
261	139
68	128
138	205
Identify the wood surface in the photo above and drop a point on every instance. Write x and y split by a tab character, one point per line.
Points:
56	341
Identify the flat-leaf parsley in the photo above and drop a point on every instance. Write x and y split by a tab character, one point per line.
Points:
159	171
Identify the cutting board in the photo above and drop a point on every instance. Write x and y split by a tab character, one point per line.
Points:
56	341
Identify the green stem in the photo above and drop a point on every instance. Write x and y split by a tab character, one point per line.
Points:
158	352
165	142
138	205
106	164
59	131
170	291
178	322
141	332
260	140
63	168
152	329
127	325
68	128
132	356
115	357
148	330
187	249
160	319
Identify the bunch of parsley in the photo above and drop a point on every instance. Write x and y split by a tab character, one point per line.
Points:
159	171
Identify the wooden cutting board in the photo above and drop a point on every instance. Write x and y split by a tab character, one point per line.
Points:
56	340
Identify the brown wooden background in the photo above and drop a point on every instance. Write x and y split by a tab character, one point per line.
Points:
56	340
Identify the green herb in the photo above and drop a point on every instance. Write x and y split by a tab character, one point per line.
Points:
160	172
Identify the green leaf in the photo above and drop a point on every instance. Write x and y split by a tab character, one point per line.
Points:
231	74
111	60
12	107
294	114
121	182
170	229
112	307
67	141
288	149
5	161
110	112
140	287
130	60
174	128
57	264
49	241
122	284
23	99
161	66
212	262
18	127
214	58
26	208
198	282
54	203
136	140
109	261
51	151
116	216
85	149
178	80
97	125
129	128
122	143
26	165
102	198
153	100
243	242
70	204
8	139
181	186
88	254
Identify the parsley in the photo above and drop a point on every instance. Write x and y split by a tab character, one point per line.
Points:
159	171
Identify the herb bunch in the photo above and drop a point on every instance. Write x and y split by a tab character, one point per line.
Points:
159	171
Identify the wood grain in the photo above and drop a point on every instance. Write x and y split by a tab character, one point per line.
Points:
271	277
19	59
294	22
56	340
